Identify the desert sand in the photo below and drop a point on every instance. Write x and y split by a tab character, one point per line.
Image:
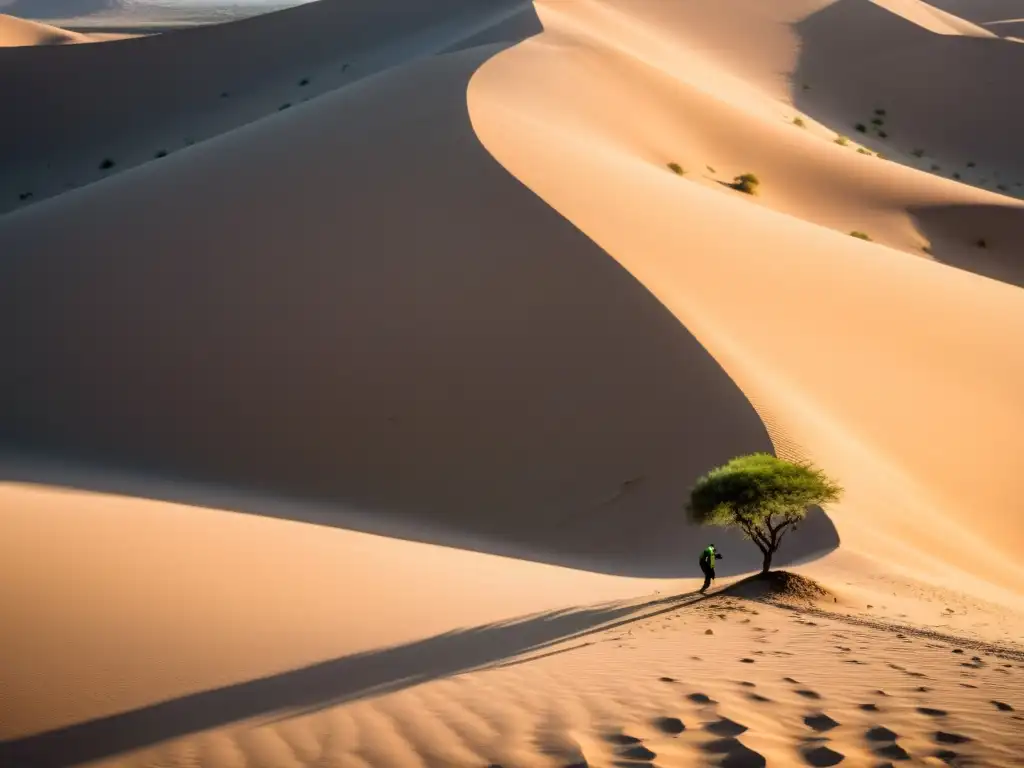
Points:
359	357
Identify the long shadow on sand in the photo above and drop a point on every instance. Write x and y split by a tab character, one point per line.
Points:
356	308
322	685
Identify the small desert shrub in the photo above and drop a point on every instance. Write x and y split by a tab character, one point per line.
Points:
224	94
927	249
862	151
956	176
861	128
748	183
883	135
284	106
936	167
798	122
25	196
918	153
1002	187
880	112
860	235
970	163
842	141
710	168
982	242
881	156
878	121
304	82
161	153
806	87
106	164
677	169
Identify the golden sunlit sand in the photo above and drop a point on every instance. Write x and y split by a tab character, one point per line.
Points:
359	359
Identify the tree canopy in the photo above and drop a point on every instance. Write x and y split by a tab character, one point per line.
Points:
762	495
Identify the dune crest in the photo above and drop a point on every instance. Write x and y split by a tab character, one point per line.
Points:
354	388
15	32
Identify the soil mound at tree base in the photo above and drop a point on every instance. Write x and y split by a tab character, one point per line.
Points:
782	587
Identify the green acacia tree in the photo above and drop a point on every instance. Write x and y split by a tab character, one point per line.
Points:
762	495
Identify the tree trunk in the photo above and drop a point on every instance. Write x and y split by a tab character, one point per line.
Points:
766	563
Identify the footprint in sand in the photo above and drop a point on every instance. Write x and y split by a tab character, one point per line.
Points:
667	679
725	727
747	684
701	698
930	712
1002	706
868	707
822	756
820	722
673	726
886	739
734	754
746	661
893	752
942	737
880	733
758	698
791	681
807	694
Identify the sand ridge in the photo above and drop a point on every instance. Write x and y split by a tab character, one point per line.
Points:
357	432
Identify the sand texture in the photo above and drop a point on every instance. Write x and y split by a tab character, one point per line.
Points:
358	359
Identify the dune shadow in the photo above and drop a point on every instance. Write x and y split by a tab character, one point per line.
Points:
856	58
309	689
984	239
348	322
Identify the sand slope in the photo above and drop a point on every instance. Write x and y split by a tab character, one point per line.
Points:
456	342
16	32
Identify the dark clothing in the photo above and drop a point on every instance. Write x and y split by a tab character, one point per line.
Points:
709	575
707	565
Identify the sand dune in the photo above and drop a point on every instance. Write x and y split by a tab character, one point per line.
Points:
357	434
21	32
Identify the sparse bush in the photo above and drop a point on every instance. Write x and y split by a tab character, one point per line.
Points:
283	107
860	235
107	164
806	87
883	135
25	196
862	151
161	153
304	82
878	121
748	183
761	495
918	153
798	122
677	169
880	156
861	128
224	94
936	167
956	175
970	163
880	112
842	141
981	242
1002	187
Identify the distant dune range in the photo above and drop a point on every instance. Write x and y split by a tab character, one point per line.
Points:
411	286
